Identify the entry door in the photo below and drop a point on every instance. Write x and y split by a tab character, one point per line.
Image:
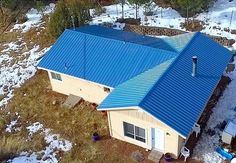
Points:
158	138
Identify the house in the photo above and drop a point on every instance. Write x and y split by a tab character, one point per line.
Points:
153	89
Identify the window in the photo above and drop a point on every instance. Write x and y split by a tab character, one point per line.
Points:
129	130
56	76
134	132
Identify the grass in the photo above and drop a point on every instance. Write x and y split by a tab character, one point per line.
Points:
76	125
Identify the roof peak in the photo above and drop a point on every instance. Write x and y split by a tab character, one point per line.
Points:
174	53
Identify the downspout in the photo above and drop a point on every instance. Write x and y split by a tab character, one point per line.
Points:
109	123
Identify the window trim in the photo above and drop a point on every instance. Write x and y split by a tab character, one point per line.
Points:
134	134
56	76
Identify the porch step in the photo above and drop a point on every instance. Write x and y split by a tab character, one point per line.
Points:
155	156
71	101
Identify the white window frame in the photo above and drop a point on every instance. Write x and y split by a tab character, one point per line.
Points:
56	76
134	134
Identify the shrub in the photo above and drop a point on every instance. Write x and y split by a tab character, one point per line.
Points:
10	147
68	14
99	10
186	8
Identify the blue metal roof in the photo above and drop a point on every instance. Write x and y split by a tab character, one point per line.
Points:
102	60
167	91
178	99
179	42
132	92
128	37
173	43
175	97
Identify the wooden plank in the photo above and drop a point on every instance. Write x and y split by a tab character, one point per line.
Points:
71	101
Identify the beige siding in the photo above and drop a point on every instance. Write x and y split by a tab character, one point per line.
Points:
139	118
87	90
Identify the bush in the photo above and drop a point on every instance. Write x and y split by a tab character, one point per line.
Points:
59	20
193	6
10	147
99	10
68	14
22	19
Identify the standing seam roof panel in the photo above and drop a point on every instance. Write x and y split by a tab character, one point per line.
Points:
101	60
176	99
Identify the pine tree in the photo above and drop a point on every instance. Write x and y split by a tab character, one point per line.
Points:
138	3
68	13
59	20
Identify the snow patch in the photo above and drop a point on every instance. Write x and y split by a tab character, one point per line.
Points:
219	20
11	127
223	111
49	154
34	19
35	127
13	75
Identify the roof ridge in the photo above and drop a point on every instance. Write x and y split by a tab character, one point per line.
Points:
174	52
170	67
155	78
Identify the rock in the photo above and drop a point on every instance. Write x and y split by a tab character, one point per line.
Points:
137	156
226	29
233	31
221	126
5	88
54	102
54	137
39	156
211	132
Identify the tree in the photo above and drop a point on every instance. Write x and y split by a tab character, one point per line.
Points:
68	13
59	20
40	6
122	2
187	8
192	6
138	3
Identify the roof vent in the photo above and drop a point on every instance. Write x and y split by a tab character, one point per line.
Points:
194	72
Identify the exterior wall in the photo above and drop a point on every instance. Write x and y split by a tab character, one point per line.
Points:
173	142
89	91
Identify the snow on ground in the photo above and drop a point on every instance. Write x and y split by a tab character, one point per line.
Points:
18	64
162	17
34	18
219	21
216	20
14	72
49	154
223	111
221	15
35	127
11	127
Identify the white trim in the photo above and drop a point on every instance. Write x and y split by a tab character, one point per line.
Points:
55	79
109	123
163	123
50	76
153	129
126	137
119	108
111	88
137	108
205	106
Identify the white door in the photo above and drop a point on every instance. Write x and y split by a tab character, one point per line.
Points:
158	138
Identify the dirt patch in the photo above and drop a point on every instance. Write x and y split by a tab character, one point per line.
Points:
193	25
34	103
